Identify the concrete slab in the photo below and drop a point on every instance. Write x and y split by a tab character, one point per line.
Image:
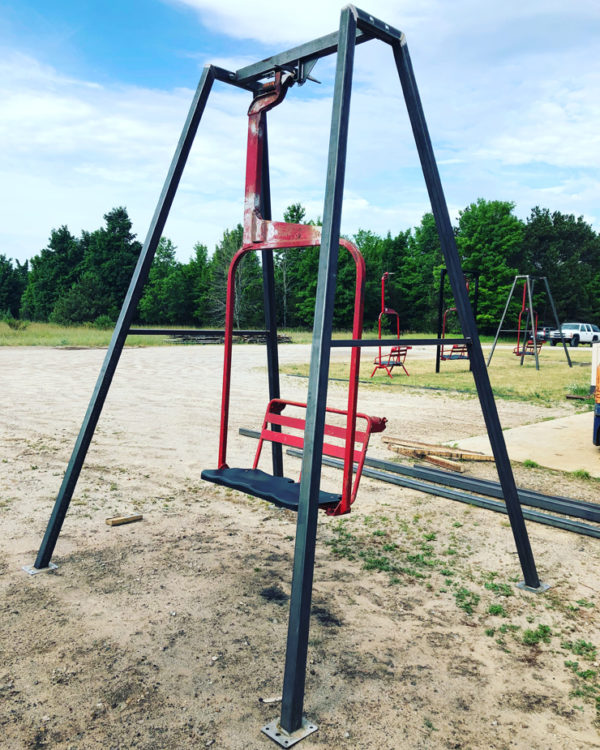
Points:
564	444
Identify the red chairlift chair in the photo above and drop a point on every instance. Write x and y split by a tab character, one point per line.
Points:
456	351
262	234
527	346
397	354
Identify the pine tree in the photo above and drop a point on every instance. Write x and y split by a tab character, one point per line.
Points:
248	307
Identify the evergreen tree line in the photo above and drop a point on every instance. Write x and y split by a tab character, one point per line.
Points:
84	280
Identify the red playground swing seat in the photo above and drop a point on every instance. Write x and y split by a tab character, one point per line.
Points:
289	430
397	354
395	358
528	348
455	351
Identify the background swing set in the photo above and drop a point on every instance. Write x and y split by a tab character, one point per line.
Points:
528	343
268	81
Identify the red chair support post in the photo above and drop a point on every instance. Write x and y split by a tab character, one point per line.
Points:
397	354
261	234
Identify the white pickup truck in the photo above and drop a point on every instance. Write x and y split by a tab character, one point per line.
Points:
575	334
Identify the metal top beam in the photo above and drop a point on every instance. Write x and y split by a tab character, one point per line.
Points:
376	28
369	27
398	342
315	49
228	77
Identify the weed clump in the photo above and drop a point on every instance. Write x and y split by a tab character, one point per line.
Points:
466	600
542	633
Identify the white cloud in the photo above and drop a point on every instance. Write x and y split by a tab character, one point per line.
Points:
281	23
511	93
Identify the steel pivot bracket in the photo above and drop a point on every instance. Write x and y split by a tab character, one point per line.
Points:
283	738
305	70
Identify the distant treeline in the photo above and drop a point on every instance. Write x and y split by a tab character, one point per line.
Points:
84	280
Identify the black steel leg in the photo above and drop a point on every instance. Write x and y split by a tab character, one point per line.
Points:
510	294
297	640
475	303
269	302
438	349
115	348
465	313
531	317
557	322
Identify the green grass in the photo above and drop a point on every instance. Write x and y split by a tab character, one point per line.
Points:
579	389
585	603
580	648
26	333
414	556
547	386
502	589
49	334
581	474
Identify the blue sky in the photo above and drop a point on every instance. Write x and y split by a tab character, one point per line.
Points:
94	95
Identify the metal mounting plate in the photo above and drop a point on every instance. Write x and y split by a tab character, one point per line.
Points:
281	737
539	590
33	571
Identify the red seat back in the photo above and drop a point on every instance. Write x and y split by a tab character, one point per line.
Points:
288	429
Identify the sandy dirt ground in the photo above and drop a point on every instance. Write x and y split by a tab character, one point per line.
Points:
170	633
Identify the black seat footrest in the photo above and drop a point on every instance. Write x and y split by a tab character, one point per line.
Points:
277	490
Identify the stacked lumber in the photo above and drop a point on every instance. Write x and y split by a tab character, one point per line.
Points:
196	338
259	338
440	455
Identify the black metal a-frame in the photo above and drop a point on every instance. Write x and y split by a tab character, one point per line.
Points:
356	27
529	288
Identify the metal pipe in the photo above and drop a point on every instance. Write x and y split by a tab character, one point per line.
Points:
440	318
533	317
565	505
190	331
558	326
268	270
465	497
315	49
338	343
510	294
